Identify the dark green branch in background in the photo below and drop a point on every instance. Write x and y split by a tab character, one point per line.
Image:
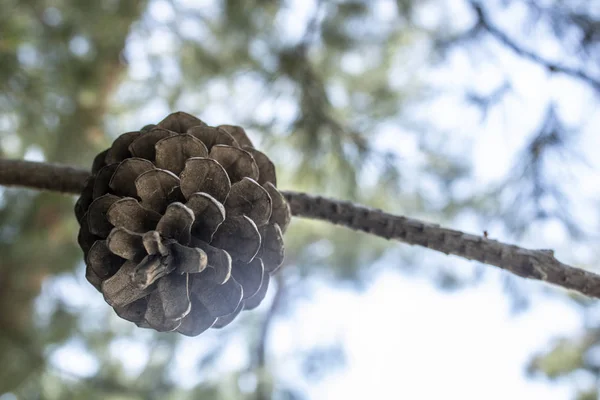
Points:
533	264
483	22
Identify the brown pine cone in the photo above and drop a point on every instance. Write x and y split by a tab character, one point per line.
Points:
182	224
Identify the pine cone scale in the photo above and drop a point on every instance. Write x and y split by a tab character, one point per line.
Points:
102	260
129	214
96	220
172	152
237	163
188	260
120	290
238	236
119	150
154	187
144	146
250	275
204	175
209	214
225	320
247	197
219	299
254	301
197	321
126	244
123	179
176	223
102	180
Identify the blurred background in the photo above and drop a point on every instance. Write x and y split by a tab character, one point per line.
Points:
481	116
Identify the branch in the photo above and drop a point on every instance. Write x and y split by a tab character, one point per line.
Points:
261	348
533	264
263	389
485	23
54	177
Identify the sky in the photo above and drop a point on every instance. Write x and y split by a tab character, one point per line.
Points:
407	339
403	337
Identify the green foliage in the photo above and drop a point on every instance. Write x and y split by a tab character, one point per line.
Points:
563	359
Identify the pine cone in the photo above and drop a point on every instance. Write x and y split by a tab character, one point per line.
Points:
182	224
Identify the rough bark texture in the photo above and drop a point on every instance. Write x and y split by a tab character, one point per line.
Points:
533	264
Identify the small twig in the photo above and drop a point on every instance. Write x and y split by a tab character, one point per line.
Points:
532	264
484	22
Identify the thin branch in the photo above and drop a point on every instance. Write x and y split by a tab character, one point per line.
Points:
54	177
263	389
484	22
261	348
533	264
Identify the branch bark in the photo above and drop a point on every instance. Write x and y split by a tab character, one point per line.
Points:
53	177
533	264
